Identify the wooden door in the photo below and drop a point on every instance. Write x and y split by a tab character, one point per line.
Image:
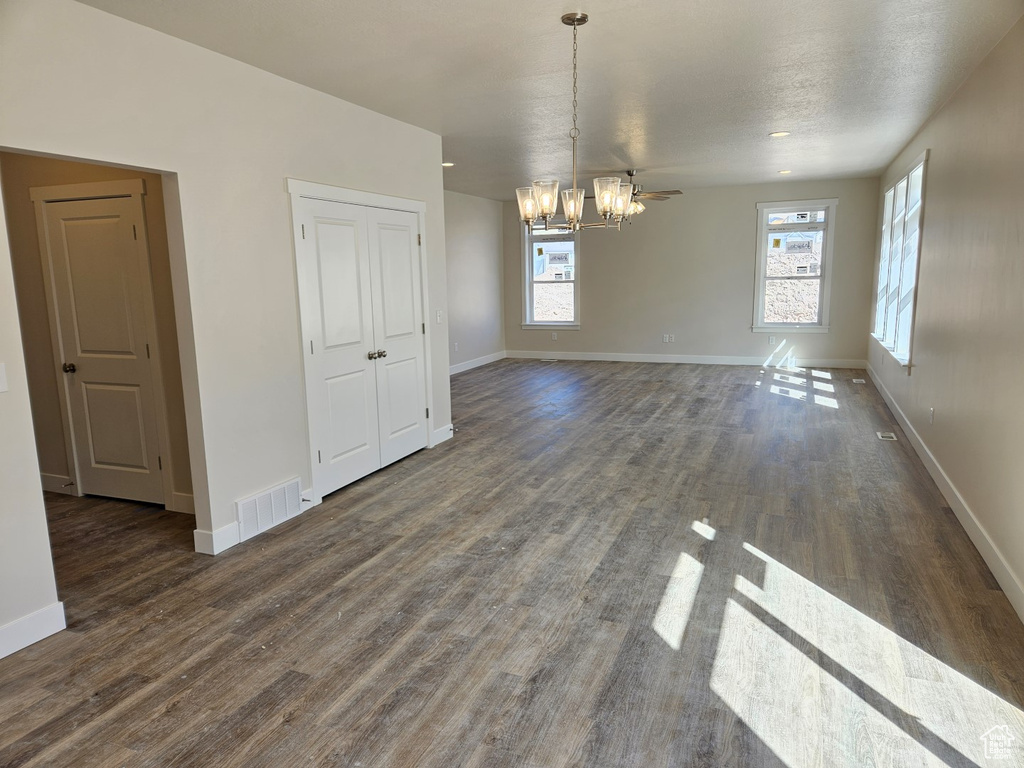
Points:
99	272
361	306
333	261
398	332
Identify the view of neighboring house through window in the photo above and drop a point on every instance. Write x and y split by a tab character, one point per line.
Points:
794	251
896	291
551	271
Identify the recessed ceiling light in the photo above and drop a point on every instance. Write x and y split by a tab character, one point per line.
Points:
447	165
778	134
785	172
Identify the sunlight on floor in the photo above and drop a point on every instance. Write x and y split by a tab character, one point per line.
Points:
822	684
795	394
824	667
801	381
677	602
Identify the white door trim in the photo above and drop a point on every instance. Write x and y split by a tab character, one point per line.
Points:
89	190
134	188
298	189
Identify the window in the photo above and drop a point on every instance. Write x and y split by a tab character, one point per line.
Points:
794	252
896	290
551	270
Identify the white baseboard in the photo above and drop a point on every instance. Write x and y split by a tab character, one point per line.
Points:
476	362
215	542
22	632
58	484
831	362
438	436
632	357
182	502
1008	580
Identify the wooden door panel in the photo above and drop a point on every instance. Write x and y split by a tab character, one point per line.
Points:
115	426
341	284
101	302
398	290
350	423
403	381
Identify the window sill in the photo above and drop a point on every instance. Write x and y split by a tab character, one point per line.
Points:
903	361
789	329
551	326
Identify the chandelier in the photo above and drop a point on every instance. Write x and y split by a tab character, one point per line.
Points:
616	200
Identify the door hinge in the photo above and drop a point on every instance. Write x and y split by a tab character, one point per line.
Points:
311	346
303	231
135	234
318	459
419	239
424	328
147	351
160	462
428	413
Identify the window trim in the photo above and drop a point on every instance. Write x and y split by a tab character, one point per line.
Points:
905	361
528	239
790	206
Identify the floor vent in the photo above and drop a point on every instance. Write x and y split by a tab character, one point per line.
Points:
858	381
886	435
265	510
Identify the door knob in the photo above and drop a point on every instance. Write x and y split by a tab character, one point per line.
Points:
382	353
371	355
69	368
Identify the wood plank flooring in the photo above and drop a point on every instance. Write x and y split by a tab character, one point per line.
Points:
611	564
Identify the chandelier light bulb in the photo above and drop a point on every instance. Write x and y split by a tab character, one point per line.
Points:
606	189
545	192
572	204
527	204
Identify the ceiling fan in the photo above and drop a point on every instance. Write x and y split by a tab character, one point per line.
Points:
639	194
634	204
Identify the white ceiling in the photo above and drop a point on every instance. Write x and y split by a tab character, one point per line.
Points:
685	90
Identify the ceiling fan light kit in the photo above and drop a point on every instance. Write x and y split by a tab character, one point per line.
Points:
616	200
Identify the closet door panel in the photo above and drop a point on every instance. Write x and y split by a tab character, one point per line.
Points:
398	329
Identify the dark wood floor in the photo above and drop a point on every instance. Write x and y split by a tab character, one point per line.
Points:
610	565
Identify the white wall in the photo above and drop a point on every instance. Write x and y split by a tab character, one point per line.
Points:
77	82
968	355
28	594
686	267
472	226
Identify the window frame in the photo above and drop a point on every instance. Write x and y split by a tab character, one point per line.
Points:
829	205
889	338
557	233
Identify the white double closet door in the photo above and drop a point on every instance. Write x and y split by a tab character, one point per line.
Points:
361	301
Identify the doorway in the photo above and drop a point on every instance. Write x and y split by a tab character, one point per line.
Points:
92	278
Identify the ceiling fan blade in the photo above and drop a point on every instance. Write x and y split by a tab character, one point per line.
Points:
665	192
650	196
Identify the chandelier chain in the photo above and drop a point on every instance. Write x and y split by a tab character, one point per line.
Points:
575	132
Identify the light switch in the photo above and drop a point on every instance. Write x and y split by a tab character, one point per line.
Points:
439	317
3	377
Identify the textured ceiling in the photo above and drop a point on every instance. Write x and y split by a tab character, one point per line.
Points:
686	90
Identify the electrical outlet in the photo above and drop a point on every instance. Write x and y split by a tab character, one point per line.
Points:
664	338
931	415
671	338
554	337
456	346
439	317
771	339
